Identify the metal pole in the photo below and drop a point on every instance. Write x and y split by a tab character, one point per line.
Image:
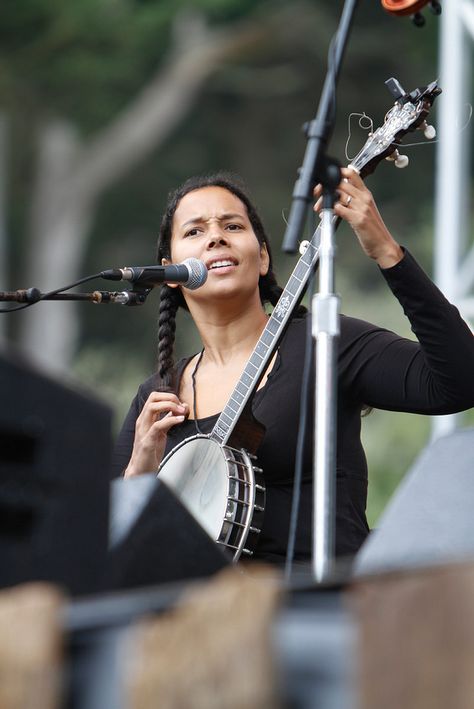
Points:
325	323
450	172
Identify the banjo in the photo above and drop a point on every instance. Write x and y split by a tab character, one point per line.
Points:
216	476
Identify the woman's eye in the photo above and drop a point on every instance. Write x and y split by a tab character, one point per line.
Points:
192	232
233	227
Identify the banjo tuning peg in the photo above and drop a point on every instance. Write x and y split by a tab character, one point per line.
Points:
418	19
400	161
428	131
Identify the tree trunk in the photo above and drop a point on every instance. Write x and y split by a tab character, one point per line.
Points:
60	220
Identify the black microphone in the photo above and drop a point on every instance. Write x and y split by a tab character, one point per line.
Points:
192	274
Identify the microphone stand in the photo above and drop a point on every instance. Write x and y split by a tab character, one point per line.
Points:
318	133
29	296
192	273
325	324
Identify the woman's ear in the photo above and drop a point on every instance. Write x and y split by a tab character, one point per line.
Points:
264	260
166	262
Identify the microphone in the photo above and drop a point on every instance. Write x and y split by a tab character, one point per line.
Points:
191	273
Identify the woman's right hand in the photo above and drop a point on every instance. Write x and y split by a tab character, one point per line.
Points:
161	412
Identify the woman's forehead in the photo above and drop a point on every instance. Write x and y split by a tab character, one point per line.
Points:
207	203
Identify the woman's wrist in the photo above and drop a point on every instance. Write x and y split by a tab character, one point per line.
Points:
390	256
140	467
130	472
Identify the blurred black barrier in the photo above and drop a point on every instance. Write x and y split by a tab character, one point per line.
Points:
430	519
54	481
154	539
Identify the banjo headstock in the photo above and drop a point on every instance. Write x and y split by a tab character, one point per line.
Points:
408	113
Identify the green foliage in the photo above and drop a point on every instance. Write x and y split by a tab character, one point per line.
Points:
392	441
85	60
82	60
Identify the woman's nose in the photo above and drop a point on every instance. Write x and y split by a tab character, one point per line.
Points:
217	237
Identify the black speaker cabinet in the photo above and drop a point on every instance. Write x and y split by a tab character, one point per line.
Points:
54	481
430	519
153	537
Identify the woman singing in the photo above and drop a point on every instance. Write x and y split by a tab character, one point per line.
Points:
212	219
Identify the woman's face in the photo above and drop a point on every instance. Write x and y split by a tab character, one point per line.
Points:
211	224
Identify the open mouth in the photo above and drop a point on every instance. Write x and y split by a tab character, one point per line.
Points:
221	264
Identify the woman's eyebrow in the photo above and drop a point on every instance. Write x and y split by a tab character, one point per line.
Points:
220	218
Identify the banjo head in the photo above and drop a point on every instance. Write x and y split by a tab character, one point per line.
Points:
221	488
196	472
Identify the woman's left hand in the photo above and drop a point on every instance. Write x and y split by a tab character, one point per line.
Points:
356	206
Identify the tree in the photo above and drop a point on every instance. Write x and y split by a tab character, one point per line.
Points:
72	172
94	87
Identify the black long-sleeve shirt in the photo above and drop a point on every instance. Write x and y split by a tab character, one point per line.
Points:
376	368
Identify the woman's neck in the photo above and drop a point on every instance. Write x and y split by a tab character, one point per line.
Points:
227	333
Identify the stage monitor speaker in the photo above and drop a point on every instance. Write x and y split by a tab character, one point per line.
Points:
430	519
54	481
153	537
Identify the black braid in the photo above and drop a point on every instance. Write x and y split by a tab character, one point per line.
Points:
166	332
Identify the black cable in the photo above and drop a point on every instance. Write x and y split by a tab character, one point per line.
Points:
302	423
300	444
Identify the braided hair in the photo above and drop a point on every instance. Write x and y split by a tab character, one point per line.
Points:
172	298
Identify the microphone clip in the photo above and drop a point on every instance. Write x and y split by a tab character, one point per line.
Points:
137	295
